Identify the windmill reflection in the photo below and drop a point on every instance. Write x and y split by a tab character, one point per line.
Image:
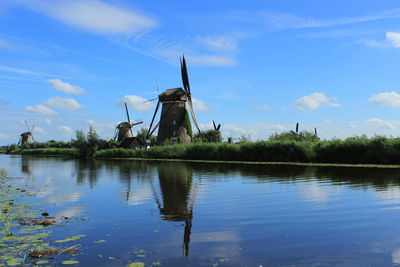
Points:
178	194
26	165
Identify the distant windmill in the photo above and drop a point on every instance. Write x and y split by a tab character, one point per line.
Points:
25	138
123	131
174	124
216	127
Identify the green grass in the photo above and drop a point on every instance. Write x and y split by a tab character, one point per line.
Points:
280	148
355	150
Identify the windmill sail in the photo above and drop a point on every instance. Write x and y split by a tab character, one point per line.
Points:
186	87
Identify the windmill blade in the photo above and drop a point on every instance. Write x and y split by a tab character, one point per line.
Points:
215	126
26	124
315	132
33	138
127	113
192	113
218	127
185	77
33	127
150	100
297	127
129	120
152	120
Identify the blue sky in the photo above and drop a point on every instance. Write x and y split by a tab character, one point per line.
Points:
256	67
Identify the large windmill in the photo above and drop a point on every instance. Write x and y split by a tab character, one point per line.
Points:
123	131
174	123
25	138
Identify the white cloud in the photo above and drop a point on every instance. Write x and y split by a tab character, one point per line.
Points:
40	109
210	60
393	38
264	107
135	102
64	103
65	87
199	105
90	122
4	136
217	43
93	15
389	99
380	123
171	54
48	121
65	129
315	101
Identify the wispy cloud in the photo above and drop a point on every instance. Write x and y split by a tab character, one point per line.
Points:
93	15
388	99
218	42
315	101
24	71
135	102
380	123
40	109
263	107
64	103
65	87
199	105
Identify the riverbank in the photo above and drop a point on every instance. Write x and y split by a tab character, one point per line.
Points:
351	151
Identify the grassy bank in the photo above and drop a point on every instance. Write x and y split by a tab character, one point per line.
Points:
356	150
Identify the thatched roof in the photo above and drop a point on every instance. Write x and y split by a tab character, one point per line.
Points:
174	94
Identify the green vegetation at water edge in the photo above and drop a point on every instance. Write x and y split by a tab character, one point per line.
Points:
354	150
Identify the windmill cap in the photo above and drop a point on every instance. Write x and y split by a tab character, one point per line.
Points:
174	94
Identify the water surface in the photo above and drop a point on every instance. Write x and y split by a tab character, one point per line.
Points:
196	214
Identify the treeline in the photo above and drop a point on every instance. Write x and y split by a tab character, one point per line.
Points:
295	148
83	145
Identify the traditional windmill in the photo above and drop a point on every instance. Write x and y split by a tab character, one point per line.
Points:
123	131
25	138
174	124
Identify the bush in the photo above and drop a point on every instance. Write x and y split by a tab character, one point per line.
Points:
210	136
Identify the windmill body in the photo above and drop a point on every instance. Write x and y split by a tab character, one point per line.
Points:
174	124
173	114
124	133
26	137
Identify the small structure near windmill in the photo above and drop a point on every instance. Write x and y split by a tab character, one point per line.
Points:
124	133
174	124
26	137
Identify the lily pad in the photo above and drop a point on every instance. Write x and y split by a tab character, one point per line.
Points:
70	262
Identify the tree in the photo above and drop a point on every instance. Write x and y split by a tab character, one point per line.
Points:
210	136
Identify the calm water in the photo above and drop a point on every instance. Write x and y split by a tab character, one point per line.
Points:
191	214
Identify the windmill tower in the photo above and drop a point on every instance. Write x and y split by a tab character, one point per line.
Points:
123	131
174	124
25	138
